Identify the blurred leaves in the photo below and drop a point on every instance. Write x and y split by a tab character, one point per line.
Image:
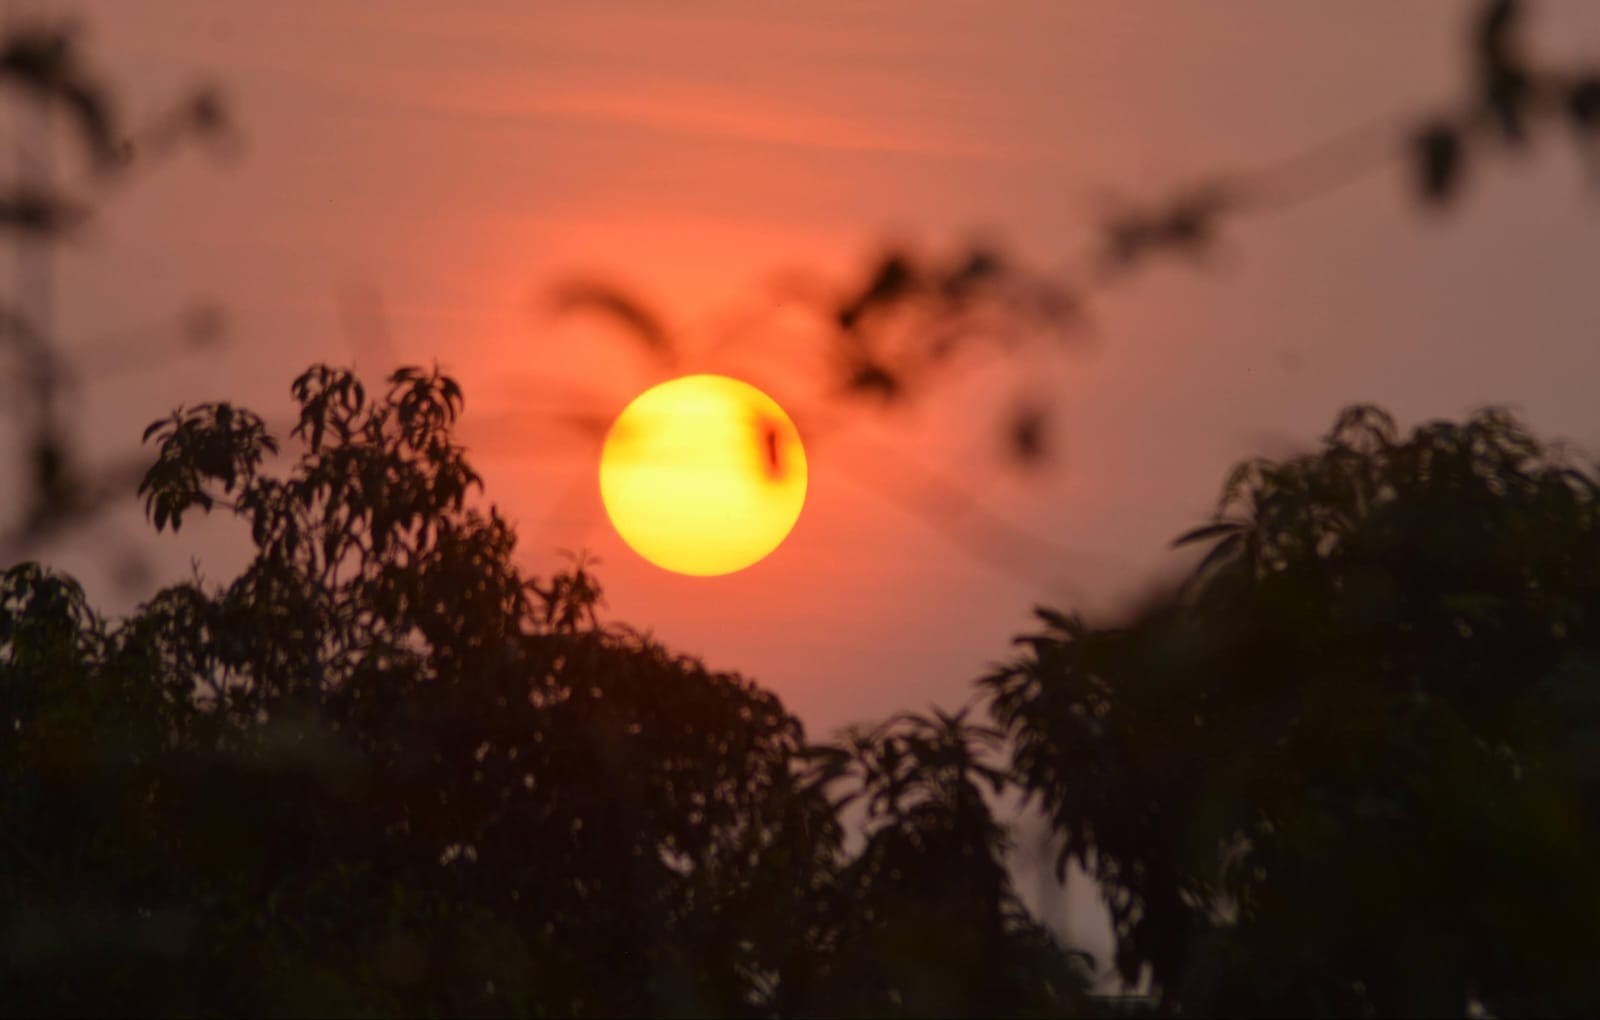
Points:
43	65
1439	162
1185	224
37	213
912	322
45	61
1514	96
914	317
638	323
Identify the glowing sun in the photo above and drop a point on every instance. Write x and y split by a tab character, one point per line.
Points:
703	475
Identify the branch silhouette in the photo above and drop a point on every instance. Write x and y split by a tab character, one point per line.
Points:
43	65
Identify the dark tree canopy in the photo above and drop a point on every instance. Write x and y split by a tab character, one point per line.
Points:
383	771
1349	767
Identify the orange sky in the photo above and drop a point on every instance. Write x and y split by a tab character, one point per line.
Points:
455	159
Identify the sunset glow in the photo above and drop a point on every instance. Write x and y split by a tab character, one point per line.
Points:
703	475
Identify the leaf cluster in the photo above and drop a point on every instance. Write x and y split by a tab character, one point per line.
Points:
1512	97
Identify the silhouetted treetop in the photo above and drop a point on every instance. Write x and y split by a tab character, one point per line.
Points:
1343	768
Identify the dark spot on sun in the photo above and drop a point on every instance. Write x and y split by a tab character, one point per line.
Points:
771	447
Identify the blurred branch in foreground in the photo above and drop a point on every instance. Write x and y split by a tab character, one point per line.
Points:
914	322
43	68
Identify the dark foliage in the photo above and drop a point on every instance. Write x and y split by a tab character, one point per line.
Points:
926	922
384	772
1349	767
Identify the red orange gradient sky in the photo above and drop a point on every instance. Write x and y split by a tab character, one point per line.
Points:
456	159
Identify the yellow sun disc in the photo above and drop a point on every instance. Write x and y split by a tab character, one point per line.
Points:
703	475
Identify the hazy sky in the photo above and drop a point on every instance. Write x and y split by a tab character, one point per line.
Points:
454	159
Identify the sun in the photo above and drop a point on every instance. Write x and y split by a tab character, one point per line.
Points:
703	475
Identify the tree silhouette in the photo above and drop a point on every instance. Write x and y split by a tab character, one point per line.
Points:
1348	766
383	771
